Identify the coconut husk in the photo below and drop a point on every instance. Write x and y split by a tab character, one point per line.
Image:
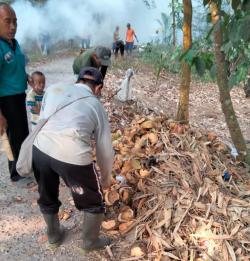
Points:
175	199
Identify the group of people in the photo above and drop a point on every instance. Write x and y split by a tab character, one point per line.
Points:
63	147
118	44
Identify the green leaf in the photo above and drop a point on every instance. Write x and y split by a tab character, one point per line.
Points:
209	18
235	4
232	81
234	33
226	47
200	65
206	2
244	26
188	56
213	71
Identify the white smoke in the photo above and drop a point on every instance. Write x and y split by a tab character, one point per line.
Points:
67	19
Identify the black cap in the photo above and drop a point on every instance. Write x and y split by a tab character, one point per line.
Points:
91	71
104	55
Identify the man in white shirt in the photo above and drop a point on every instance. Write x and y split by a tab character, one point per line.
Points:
63	148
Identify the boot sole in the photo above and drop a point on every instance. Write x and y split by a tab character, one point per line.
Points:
59	242
87	250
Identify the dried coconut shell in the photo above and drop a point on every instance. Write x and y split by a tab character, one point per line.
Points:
125	194
144	173
153	138
148	124
130	178
126	215
113	232
124	226
109	224
111	197
211	136
136	252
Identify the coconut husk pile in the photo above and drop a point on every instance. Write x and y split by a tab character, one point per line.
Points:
177	194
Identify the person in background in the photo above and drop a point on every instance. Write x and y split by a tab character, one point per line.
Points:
45	43
63	149
98	57
130	35
118	45
86	41
116	37
13	83
35	97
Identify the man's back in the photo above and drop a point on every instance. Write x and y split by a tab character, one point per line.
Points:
73	126
130	35
83	60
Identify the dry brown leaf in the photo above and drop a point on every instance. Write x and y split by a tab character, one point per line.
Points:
231	251
136	164
152	138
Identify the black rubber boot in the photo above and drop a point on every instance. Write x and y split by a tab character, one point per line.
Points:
91	228
54	231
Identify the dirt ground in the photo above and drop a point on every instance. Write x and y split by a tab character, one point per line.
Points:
22	230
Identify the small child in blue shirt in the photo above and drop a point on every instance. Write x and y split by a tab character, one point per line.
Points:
35	97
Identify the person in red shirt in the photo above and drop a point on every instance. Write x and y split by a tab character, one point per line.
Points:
130	34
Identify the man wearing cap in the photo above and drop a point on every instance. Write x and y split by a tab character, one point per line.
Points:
63	149
98	57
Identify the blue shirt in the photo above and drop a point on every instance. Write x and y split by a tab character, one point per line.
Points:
13	77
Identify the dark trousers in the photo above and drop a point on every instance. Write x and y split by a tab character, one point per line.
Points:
103	70
119	46
14	110
83	182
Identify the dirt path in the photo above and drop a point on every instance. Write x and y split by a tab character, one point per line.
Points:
22	230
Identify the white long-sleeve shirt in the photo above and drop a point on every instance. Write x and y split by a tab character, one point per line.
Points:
67	134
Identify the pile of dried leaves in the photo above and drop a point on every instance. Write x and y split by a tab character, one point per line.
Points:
178	193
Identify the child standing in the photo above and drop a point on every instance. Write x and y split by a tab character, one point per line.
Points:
35	96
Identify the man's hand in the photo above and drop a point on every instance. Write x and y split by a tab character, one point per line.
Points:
3	124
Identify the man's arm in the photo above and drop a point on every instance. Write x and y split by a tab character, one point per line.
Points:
95	60
136	37
104	150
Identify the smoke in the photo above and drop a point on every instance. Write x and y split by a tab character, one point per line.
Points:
68	19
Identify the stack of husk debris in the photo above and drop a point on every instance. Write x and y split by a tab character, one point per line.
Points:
177	193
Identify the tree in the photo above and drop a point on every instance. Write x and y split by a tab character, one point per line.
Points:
174	23
182	112
177	22
164	23
223	84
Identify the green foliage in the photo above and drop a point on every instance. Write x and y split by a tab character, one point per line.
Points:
150	3
235	24
178	10
164	23
162	57
200	56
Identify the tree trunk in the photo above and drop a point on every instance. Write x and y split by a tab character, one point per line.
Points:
182	112
224	90
174	23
